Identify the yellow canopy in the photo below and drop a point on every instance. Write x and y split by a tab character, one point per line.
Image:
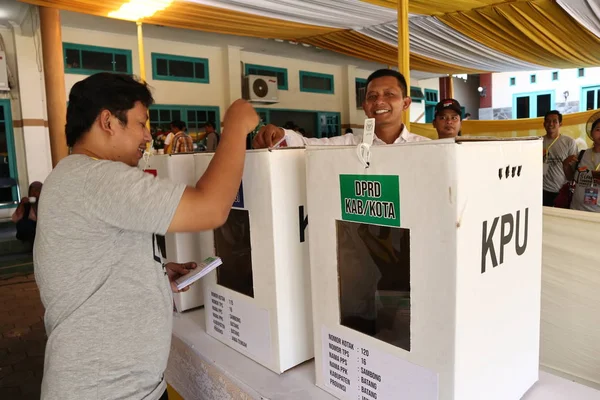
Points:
506	35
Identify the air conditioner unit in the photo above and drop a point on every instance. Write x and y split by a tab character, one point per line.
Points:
260	89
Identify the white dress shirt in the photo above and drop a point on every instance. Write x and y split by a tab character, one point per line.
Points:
294	139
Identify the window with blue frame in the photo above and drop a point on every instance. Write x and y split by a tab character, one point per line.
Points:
416	94
590	99
513	81
360	91
279	73
329	124
532	105
314	82
88	60
9	189
431	100
194	118
168	67
555	75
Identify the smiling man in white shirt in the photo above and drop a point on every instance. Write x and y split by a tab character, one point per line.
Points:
385	100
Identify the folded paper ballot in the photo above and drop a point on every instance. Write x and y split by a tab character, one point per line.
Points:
202	269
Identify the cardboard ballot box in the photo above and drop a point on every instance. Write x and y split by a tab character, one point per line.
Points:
426	269
180	247
258	301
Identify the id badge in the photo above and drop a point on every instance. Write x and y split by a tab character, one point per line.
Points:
546	167
590	197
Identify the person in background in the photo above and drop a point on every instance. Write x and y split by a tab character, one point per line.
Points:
447	120
386	99
25	216
212	137
182	142
467	117
176	127
557	148
106	290
586	171
348	130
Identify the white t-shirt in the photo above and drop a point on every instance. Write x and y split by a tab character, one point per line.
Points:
584	179
169	138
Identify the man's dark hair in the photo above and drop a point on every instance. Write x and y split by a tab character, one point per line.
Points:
554	112
209	124
467	115
380	73
116	93
178	124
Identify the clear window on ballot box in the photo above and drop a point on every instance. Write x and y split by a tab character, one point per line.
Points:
232	244
374	281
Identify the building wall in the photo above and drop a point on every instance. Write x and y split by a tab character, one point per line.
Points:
568	81
465	91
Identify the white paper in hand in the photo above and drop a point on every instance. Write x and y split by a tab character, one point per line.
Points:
202	269
369	131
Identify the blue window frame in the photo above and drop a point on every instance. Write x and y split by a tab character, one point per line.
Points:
416	94
280	73
169	67
431	100
532	105
9	196
313	82
590	98
360	88
328	124
194	117
88	60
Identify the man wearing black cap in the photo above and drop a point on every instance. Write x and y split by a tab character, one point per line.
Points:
447	120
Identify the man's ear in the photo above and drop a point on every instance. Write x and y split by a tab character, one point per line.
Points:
106	120
407	103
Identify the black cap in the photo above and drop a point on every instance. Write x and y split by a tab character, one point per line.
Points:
448	104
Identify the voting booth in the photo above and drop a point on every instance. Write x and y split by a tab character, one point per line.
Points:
426	269
179	247
258	301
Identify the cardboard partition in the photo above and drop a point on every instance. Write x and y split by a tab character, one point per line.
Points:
180	247
426	269
258	301
570	337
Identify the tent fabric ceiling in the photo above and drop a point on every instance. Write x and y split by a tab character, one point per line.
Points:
459	36
431	38
586	12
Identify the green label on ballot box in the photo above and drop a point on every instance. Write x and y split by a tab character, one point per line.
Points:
371	199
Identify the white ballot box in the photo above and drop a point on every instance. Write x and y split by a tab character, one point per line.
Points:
426	269
258	301
180	247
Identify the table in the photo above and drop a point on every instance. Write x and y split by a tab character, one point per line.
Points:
201	367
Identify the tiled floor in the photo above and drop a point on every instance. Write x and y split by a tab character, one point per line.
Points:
22	339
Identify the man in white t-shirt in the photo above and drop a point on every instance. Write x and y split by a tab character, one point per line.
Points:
386	99
557	148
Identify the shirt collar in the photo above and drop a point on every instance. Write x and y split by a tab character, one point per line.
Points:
402	138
